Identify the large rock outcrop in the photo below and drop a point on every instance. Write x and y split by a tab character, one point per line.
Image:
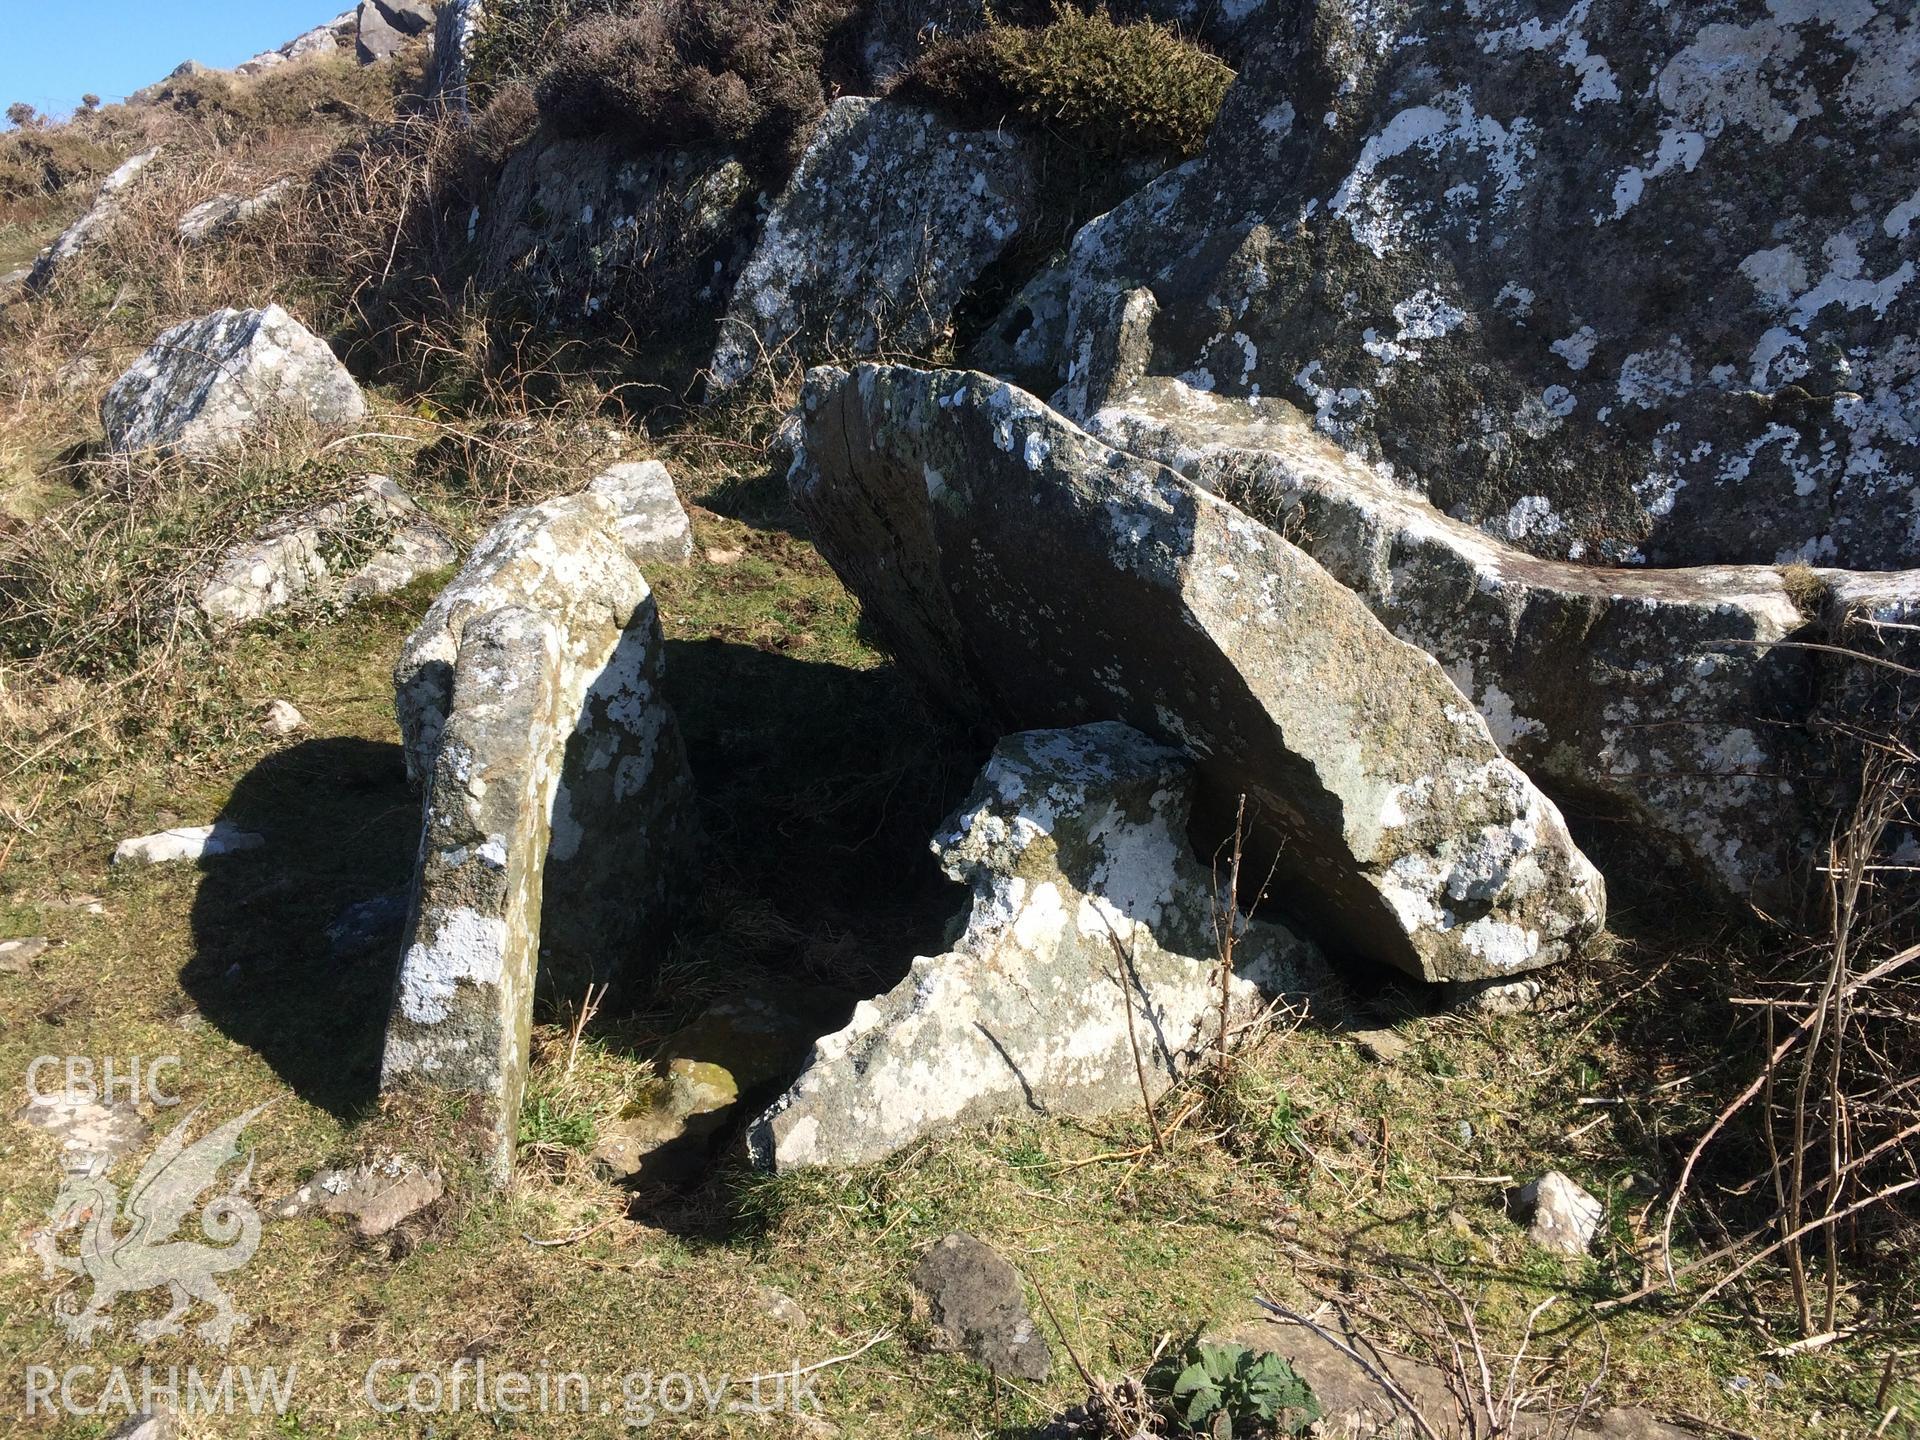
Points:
456	29
891	216
210	383
1655	696
593	232
1087	902
1030	575
1608	282
559	817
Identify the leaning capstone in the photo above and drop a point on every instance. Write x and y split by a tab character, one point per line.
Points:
372	542
891	216
1028	576
558	811
212	382
1659	697
1088	903
91	227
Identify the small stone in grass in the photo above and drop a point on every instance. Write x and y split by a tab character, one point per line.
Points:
1564	1216
17	956
191	842
280	718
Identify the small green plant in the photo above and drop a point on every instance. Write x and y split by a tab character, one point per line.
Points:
1227	1390
549	1123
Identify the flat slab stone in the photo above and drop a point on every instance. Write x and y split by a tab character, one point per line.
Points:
92	1134
376	1196
91	227
187	842
226	211
1074	844
1027	574
17	956
372	541
978	1305
208	383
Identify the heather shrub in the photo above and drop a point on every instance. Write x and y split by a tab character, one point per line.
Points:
739	73
507	119
1123	87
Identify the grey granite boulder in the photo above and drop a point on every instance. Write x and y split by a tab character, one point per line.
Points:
1087	903
1654	697
1610	283
210	383
599	231
559	821
372	541
890	217
1029	575
91	227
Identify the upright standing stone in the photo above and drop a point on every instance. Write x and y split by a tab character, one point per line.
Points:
559	816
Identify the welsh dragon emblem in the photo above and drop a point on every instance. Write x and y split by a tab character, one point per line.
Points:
145	1255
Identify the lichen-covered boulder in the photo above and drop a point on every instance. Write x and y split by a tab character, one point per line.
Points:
372	541
1024	571
559	822
1609	282
91	227
891	216
1074	842
210	383
1660	698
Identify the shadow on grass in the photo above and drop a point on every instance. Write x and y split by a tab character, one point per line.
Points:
341	828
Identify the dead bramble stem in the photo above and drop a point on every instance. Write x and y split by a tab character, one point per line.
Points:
1121	976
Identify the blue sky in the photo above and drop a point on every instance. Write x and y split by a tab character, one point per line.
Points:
54	51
